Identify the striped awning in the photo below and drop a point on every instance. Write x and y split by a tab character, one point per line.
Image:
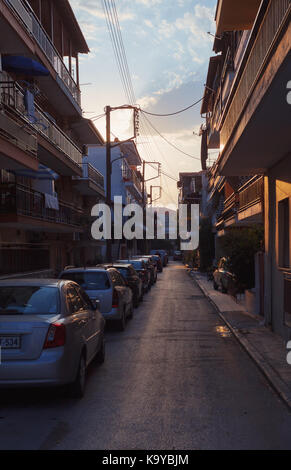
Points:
43	173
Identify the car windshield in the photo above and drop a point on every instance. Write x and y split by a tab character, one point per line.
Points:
29	300
89	280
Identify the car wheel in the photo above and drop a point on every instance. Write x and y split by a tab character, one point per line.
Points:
215	286
77	388
121	322
100	356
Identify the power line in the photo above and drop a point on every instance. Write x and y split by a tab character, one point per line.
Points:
173	114
170	143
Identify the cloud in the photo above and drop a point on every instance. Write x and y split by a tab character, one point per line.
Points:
166	29
95	9
149	3
148	23
147	101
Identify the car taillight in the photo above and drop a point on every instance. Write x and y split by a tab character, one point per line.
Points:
56	336
115	299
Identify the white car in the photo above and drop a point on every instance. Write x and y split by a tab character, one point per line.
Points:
50	331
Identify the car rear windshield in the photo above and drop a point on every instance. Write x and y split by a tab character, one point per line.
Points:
124	271
89	280
29	300
136	264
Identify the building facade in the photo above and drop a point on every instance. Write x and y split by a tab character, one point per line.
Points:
126	183
46	188
248	114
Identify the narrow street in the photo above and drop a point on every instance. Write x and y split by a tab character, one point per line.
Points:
175	379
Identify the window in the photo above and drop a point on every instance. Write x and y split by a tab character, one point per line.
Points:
74	301
284	233
89	280
29	300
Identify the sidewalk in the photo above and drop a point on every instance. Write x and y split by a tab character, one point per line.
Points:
266	348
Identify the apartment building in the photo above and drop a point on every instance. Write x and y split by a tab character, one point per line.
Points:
248	115
126	182
46	188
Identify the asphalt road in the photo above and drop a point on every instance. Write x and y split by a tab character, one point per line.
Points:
175	379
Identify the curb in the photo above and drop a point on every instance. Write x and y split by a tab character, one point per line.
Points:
280	387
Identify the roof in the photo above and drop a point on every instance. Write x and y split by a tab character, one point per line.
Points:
79	270
32	282
69	17
214	63
118	265
87	132
130	150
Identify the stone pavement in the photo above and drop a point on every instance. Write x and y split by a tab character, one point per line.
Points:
266	348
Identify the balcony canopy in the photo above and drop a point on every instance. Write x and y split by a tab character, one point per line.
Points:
129	150
235	15
214	63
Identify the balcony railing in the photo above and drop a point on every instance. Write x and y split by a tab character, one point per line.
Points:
269	29
90	172
21	200
12	95
129	175
13	131
251	193
230	205
34	27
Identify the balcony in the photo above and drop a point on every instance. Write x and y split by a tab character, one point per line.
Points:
56	150
132	182
235	15
251	201
18	145
91	183
229	213
257	108
35	30
23	207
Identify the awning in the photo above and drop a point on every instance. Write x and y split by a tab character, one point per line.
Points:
87	133
24	65
130	151
43	173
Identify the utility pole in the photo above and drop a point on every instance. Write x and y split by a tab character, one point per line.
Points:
108	181
109	146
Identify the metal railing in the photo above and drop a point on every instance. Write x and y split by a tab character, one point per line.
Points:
12	95
21	200
251	193
33	25
270	27
129	175
90	172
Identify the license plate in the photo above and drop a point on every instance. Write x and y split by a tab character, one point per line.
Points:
10	342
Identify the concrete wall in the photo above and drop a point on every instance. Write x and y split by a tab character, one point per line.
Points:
277	188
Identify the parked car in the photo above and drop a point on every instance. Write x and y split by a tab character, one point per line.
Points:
107	286
132	279
159	263
178	256
163	254
49	333
151	267
141	269
222	277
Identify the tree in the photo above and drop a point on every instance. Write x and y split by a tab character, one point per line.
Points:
240	245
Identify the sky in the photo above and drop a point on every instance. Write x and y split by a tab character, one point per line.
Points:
168	50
